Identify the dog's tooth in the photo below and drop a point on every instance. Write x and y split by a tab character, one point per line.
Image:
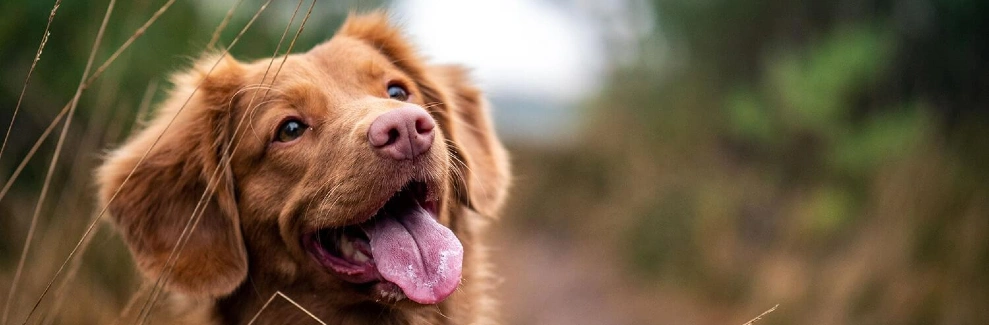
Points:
346	246
360	257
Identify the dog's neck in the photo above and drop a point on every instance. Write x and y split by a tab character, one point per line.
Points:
310	307
245	306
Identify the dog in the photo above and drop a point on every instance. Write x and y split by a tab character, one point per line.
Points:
349	185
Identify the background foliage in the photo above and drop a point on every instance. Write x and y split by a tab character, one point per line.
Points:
830	157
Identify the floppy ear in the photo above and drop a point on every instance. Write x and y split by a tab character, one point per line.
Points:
483	179
157	203
487	176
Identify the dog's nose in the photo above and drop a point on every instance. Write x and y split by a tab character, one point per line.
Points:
402	133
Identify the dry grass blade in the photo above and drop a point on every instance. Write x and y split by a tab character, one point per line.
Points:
130	40
112	134
190	227
272	61
757	318
190	224
51	315
228	152
145	106
280	294
99	71
54	162
223	25
30	153
140	31
27	80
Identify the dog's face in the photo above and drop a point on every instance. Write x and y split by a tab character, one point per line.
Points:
351	169
344	170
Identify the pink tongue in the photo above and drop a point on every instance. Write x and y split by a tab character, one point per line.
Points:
420	255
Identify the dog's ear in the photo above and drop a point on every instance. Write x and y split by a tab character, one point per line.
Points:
374	29
484	164
156	203
482	176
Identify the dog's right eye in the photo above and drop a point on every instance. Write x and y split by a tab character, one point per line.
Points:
398	92
290	130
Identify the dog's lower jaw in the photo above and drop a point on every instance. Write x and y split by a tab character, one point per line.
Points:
338	302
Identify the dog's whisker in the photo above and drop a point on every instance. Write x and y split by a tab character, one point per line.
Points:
456	170
454	157
433	105
460	123
322	201
439	311
471	173
329	193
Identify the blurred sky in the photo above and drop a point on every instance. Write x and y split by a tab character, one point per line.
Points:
528	48
537	60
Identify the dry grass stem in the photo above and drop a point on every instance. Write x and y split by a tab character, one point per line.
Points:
280	294
757	318
51	166
99	71
27	80
228	152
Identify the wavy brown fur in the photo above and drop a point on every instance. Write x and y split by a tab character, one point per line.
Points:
246	245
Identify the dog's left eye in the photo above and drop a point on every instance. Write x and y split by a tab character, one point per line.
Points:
397	92
290	130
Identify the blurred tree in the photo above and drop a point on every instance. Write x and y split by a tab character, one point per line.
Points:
822	155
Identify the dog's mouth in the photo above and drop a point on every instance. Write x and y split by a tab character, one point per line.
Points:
402	245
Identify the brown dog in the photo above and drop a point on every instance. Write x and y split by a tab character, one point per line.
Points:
355	182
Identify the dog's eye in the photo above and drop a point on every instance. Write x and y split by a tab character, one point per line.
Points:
290	130
397	92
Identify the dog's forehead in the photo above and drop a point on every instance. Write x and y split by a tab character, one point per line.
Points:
331	75
341	67
344	57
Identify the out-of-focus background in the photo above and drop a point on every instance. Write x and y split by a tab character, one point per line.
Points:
677	162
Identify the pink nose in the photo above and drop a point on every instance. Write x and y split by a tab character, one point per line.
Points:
402	133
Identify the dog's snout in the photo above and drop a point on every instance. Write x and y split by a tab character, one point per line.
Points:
402	133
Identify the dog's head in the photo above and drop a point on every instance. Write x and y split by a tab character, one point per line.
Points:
346	170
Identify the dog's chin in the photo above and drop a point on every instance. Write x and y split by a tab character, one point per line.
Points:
400	252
